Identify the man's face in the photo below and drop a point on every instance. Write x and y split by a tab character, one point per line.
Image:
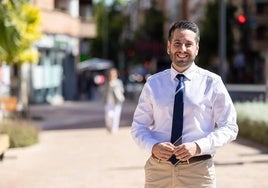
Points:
182	49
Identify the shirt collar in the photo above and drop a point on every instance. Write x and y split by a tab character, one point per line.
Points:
188	73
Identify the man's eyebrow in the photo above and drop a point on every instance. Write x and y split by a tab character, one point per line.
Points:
179	40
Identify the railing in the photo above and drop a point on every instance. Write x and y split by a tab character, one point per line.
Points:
247	92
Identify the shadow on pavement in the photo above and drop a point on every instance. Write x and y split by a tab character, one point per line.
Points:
257	155
239	163
261	149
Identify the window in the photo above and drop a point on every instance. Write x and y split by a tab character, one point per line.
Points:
61	5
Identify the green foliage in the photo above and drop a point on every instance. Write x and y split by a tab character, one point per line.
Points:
153	25
110	24
21	133
150	36
253	121
19	28
209	41
115	26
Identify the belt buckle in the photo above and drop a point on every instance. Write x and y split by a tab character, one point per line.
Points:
182	162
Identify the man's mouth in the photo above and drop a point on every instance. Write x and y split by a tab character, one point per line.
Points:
182	56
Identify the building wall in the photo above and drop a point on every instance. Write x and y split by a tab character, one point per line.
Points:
54	77
44	4
60	23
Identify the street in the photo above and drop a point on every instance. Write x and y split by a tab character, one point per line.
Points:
76	151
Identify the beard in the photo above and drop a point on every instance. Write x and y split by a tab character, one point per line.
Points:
182	62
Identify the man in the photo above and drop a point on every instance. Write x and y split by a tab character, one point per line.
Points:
208	117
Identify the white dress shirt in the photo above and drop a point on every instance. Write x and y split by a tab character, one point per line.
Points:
209	117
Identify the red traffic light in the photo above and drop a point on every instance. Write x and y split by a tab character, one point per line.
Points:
241	19
131	52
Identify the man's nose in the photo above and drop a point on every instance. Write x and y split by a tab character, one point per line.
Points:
183	47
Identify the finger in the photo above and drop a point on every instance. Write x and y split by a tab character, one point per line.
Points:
165	155
184	157
182	154
169	146
178	151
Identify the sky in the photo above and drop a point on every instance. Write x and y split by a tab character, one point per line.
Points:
109	2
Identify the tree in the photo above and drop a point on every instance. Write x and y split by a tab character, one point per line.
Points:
210	31
110	24
19	29
149	38
153	24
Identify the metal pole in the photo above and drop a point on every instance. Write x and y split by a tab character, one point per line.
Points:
222	39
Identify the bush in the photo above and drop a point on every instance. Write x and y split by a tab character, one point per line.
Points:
252	119
21	133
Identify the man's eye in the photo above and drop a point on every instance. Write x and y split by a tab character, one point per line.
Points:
188	45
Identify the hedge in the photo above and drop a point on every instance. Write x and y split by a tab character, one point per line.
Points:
21	133
252	119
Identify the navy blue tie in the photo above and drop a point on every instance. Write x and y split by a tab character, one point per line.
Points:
177	122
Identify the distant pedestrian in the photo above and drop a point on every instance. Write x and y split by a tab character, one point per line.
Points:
114	98
89	85
239	67
184	113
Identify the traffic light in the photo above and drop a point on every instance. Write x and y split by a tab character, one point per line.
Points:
131	52
241	19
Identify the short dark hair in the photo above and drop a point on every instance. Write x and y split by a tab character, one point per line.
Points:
184	25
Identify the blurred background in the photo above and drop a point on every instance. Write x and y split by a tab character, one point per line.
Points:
57	50
54	55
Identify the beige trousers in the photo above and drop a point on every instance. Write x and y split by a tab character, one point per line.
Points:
164	175
112	116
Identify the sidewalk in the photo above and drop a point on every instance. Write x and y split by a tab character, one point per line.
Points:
76	151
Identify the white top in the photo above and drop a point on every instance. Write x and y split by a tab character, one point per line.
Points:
209	113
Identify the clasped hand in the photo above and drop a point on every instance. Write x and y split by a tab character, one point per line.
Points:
183	152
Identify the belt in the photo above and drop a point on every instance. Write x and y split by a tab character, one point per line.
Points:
191	160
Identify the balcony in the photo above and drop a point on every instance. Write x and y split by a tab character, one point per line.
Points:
87	29
55	22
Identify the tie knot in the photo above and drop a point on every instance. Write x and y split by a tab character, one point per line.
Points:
180	77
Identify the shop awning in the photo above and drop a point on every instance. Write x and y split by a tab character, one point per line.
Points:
95	64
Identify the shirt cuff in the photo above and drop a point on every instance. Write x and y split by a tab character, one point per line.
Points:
150	145
204	146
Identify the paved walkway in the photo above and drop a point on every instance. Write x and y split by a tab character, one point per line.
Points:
76	151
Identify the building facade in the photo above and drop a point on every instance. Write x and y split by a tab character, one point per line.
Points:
66	24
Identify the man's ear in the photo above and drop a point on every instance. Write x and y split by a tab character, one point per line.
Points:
197	50
168	47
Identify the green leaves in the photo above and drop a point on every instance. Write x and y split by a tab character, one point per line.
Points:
19	29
